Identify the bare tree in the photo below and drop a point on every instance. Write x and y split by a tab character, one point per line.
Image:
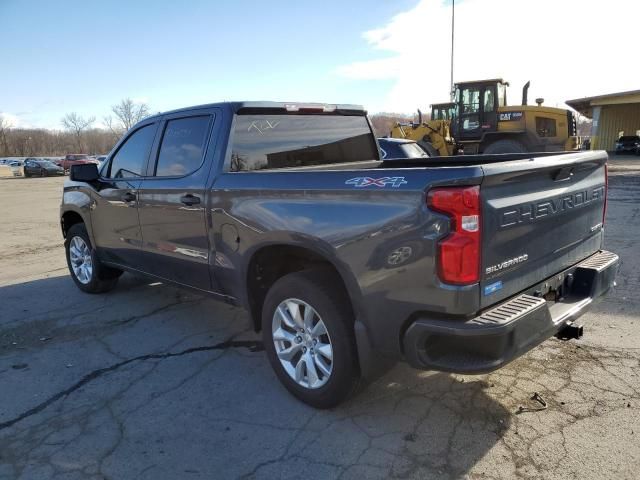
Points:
127	113
77	124
5	125
115	130
384	122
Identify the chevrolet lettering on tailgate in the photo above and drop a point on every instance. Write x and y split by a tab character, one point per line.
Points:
530	212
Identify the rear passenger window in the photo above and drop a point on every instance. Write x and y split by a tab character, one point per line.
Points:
130	159
182	146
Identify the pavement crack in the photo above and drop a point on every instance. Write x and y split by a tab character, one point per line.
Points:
251	345
135	318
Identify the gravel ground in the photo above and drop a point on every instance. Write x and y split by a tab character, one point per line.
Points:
152	382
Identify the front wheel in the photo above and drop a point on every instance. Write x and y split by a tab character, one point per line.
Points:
85	268
307	328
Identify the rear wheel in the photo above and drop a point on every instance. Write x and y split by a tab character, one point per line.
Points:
85	268
307	328
505	146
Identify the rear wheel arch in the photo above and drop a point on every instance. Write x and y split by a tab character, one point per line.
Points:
272	262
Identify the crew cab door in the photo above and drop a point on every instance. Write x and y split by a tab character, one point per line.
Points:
172	200
114	216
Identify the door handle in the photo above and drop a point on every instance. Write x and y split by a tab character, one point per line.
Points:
189	199
129	197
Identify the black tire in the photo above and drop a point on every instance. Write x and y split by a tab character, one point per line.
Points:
103	278
429	148
27	174
318	289
43	172
505	146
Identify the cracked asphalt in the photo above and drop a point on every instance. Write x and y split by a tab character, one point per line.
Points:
151	382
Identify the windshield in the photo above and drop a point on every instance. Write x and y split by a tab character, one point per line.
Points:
281	141
629	138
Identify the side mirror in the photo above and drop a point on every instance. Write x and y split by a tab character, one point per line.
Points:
85	172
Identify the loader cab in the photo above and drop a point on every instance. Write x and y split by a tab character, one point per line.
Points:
443	111
476	107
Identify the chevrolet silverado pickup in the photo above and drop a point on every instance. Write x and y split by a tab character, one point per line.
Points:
344	261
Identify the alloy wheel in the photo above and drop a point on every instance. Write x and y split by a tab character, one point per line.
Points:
302	343
80	259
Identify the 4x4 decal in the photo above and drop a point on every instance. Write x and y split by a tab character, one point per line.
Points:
376	182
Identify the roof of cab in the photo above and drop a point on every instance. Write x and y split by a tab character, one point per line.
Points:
235	106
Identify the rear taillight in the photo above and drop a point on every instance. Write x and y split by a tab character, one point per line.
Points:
459	252
606	192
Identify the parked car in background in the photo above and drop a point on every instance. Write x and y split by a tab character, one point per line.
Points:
12	162
10	165
75	159
34	167
391	148
628	144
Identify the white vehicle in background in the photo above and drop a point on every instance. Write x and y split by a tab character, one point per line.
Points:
14	165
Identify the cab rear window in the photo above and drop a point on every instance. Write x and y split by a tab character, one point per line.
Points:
285	141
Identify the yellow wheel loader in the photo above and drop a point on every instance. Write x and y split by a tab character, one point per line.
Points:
480	121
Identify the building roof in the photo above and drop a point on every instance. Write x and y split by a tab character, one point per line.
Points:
585	105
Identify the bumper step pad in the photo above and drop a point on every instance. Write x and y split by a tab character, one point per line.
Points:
507	312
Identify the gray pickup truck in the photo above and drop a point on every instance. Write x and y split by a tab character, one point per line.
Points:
346	262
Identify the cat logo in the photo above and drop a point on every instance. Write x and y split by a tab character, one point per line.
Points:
510	116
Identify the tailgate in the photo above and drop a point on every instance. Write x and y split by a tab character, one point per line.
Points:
539	216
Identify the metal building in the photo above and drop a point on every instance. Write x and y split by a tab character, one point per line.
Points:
611	114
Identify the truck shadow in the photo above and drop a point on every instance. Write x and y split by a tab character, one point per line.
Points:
406	423
448	422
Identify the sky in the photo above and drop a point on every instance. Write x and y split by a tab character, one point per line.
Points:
393	56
